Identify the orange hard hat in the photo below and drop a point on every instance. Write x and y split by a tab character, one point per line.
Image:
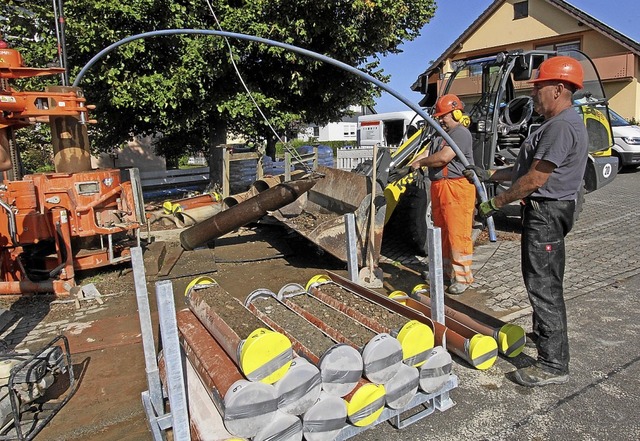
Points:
448	103
560	68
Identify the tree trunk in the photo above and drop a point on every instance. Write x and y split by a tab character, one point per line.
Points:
218	137
271	147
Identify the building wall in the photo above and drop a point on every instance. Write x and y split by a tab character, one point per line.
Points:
624	98
501	30
547	25
138	153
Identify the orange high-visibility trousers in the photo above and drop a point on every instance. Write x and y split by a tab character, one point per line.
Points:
452	205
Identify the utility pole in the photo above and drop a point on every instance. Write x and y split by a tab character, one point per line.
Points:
60	36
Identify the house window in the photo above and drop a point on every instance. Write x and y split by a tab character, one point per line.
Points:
561	47
572	46
520	10
349	131
475	70
316	131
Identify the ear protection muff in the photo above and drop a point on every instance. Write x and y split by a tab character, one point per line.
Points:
465	120
456	114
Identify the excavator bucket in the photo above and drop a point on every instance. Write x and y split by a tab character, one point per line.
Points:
319	214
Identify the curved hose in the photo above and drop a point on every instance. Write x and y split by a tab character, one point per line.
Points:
311	54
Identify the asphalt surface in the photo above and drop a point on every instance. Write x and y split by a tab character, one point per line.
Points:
602	284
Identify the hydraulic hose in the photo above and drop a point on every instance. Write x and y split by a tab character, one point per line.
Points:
317	56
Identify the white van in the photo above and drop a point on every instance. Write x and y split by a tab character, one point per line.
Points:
626	141
389	129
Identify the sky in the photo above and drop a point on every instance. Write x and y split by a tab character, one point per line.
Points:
452	17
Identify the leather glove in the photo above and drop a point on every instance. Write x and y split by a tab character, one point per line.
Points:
399	173
419	178
487	209
470	170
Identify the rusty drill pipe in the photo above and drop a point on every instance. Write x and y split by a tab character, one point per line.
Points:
193	216
340	368
444	336
241	214
216	369
195	201
244	406
275	353
235	199
25	286
381	353
271	181
298	346
511	338
415	338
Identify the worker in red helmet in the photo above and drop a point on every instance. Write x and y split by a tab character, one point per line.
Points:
546	177
452	196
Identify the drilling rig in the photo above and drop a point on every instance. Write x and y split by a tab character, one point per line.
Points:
75	218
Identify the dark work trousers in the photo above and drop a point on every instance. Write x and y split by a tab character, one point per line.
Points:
545	223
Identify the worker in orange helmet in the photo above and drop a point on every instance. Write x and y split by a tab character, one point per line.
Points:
546	177
452	196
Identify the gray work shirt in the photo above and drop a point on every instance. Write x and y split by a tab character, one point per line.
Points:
462	137
563	141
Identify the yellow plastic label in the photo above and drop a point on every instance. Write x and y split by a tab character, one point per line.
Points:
421	288
416	340
483	351
320	278
366	405
398	296
511	340
266	355
203	280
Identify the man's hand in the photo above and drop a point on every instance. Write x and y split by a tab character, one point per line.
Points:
470	170
419	179
399	173
487	209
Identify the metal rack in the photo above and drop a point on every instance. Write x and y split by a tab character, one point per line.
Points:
153	399
429	402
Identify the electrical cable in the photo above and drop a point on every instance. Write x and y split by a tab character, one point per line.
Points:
481	192
294	154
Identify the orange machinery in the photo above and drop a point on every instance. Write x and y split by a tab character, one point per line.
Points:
77	218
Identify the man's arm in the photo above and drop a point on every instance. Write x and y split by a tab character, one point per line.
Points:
501	174
437	159
535	178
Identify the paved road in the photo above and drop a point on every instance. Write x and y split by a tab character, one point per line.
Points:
603	247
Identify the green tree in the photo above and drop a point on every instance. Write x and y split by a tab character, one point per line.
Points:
185	87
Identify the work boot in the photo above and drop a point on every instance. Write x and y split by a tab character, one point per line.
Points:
426	279
535	375
531	341
457	288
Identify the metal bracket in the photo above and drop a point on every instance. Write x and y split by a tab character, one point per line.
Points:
152	399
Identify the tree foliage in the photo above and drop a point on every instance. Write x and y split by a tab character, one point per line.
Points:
185	86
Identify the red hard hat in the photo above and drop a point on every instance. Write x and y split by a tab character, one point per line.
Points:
560	68
447	103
